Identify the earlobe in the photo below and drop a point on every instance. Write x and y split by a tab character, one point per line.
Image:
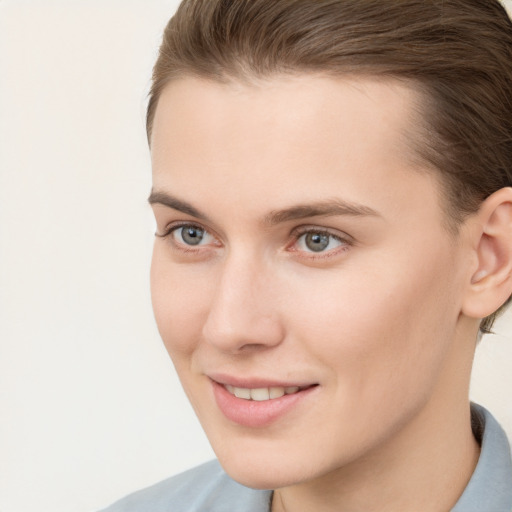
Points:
491	282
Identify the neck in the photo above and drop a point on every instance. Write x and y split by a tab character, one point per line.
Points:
425	466
405	475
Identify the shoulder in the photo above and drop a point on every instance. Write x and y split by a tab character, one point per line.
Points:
206	488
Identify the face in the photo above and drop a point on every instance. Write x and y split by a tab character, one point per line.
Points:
303	280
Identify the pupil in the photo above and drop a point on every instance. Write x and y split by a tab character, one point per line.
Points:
192	236
316	241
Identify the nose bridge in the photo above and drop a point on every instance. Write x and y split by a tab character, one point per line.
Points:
242	311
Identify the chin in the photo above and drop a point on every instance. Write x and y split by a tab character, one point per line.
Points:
259	478
259	472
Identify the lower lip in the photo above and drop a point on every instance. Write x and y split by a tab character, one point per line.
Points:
252	413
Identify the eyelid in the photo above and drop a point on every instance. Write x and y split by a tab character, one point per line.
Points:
174	226
346	240
340	235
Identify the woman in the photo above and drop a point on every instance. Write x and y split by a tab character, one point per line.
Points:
331	186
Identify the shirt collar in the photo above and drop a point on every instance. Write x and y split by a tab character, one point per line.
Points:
490	487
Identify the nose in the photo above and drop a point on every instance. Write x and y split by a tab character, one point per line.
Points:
243	313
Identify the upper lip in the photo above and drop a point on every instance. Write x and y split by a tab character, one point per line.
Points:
257	382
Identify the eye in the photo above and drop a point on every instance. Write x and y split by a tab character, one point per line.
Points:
191	235
318	241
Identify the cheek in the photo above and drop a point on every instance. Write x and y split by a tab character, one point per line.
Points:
180	303
382	332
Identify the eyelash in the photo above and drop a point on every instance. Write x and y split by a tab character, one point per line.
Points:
169	230
345	241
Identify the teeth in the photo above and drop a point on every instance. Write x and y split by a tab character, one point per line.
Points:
276	392
261	394
243	393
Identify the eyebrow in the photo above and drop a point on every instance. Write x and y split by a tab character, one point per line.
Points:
176	204
328	208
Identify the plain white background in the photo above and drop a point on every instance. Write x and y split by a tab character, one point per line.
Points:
90	407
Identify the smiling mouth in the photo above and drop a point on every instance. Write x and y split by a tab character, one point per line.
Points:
263	394
257	405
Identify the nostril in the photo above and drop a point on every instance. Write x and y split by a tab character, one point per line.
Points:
252	346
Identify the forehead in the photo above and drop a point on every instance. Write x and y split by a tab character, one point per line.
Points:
376	111
301	135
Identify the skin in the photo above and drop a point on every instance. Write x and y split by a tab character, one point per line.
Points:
377	320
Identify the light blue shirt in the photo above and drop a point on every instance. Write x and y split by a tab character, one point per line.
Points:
208	488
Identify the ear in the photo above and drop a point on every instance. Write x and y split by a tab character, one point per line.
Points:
491	281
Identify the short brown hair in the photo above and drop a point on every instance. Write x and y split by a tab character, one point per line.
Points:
457	52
